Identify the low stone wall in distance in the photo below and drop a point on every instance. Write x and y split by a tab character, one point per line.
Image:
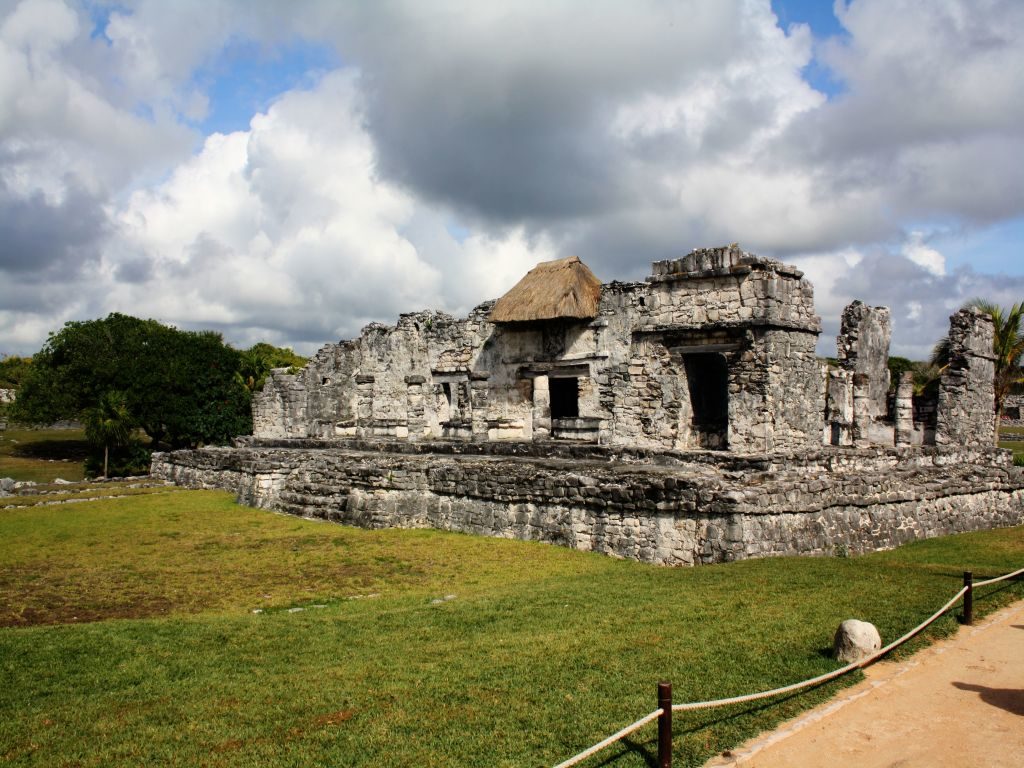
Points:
669	508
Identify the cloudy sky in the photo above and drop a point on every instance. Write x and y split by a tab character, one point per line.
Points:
291	171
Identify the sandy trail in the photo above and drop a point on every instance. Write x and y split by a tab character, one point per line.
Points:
958	703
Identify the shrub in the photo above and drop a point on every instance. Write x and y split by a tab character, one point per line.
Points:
125	461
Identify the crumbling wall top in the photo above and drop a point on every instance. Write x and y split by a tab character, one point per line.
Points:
724	260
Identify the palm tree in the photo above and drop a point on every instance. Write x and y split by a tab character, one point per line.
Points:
1007	346
109	424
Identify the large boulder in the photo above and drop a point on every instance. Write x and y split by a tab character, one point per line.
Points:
856	640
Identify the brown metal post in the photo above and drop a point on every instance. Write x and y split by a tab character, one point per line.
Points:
969	598
665	725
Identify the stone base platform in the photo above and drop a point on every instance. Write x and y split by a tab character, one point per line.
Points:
670	508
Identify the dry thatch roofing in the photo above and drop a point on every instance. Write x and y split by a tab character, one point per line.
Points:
565	288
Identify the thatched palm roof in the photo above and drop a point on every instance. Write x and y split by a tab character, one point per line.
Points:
565	288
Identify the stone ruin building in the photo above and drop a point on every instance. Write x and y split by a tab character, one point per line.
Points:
679	420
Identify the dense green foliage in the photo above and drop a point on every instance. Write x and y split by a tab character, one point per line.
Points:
260	359
180	387
13	370
409	647
897	367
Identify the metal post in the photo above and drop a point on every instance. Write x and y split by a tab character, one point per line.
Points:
969	598
665	725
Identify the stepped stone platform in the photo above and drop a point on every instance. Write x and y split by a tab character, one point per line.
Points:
667	507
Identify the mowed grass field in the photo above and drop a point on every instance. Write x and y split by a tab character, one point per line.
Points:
177	628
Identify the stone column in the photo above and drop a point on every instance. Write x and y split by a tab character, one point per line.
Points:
414	406
840	406
863	409
965	414
905	409
863	347
478	404
364	404
541	407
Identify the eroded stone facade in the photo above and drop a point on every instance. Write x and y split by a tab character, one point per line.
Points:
689	421
668	508
715	350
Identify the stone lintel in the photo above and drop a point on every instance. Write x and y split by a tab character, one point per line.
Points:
692	349
729	325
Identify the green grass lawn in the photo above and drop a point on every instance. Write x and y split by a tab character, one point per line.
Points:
42	455
160	629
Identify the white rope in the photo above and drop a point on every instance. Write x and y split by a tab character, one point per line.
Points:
998	578
820	678
611	739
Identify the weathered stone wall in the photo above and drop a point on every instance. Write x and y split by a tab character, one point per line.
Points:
715	350
966	407
863	348
713	286
759	315
672	508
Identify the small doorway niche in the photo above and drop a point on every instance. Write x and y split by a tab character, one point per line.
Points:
707	378
444	403
565	397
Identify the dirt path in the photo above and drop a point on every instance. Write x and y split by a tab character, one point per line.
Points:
958	703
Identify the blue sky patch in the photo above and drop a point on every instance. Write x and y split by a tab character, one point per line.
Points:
993	250
247	76
818	15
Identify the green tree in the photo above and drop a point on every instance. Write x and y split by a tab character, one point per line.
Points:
13	371
180	387
897	367
260	359
1007	346
109	425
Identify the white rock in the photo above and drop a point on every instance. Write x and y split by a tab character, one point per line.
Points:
856	640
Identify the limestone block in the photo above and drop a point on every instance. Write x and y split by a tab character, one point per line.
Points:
863	347
855	640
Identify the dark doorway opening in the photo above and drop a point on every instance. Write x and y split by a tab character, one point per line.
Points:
707	378
565	397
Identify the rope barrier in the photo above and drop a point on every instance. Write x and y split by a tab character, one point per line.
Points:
611	739
690	706
999	578
820	678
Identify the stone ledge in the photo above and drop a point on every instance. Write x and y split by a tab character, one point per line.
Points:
682	513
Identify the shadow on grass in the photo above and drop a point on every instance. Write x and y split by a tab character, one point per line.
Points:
69	450
643	749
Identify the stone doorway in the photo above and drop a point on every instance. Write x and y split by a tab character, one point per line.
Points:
565	397
707	379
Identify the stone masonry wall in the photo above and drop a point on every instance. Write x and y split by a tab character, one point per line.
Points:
863	348
966	406
676	510
432	376
715	286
